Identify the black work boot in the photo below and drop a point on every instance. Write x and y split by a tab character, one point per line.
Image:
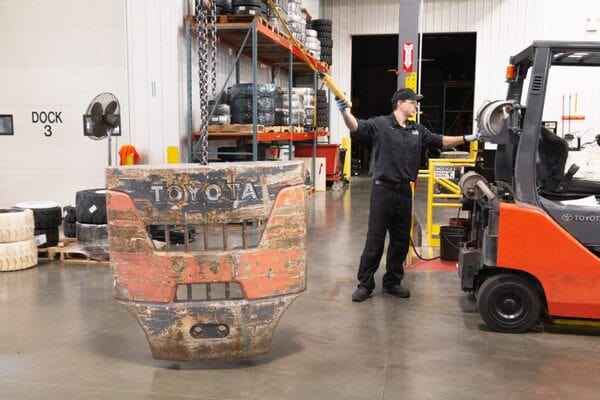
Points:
361	294
397	291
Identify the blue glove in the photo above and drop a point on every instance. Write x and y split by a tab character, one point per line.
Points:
471	137
341	104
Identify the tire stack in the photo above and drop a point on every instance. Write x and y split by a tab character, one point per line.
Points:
91	229
47	217
69	222
224	7
249	7
322	109
296	20
308	100
240	102
323	28
281	6
313	45
282	107
17	244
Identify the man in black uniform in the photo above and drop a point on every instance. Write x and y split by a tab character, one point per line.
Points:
396	151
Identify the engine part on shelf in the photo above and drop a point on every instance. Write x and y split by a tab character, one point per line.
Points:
220	119
222	109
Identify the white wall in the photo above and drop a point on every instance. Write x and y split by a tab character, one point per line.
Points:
503	28
56	56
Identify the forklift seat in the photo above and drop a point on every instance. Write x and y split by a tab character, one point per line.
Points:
551	179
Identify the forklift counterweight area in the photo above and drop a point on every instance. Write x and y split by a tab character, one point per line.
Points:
231	256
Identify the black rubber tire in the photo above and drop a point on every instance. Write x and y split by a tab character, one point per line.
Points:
248	10
323	34
91	206
50	239
253	3
508	303
321	22
46	218
70	229
91	233
43	217
225	4
321	29
325	43
69	214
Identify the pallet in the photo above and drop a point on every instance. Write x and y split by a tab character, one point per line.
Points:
232	129
309	191
77	254
236	19
283	129
50	253
68	251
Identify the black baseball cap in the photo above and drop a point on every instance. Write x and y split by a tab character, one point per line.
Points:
405	94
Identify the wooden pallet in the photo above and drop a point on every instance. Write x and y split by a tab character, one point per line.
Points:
73	254
237	19
50	253
309	190
232	129
68	251
282	129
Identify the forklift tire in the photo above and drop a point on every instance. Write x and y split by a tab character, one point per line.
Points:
16	224
508	303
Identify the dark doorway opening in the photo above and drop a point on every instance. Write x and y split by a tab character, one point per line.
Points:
447	82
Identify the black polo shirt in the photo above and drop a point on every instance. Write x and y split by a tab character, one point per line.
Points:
396	150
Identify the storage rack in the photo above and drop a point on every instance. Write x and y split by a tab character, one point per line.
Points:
270	48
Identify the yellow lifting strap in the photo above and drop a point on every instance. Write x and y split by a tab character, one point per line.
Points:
327	79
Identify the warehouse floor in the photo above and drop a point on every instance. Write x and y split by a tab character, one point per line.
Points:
62	336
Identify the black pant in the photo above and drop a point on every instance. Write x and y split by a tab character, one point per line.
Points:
390	211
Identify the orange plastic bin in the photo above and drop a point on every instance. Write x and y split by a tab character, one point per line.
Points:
331	153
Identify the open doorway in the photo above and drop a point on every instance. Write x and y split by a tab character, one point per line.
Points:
447	82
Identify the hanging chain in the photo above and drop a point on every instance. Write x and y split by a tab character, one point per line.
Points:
213	49
202	48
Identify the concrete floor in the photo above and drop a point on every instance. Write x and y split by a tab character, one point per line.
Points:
62	336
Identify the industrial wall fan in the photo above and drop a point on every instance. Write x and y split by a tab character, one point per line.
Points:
102	120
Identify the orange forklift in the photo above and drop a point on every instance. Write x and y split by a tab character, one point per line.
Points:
534	243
